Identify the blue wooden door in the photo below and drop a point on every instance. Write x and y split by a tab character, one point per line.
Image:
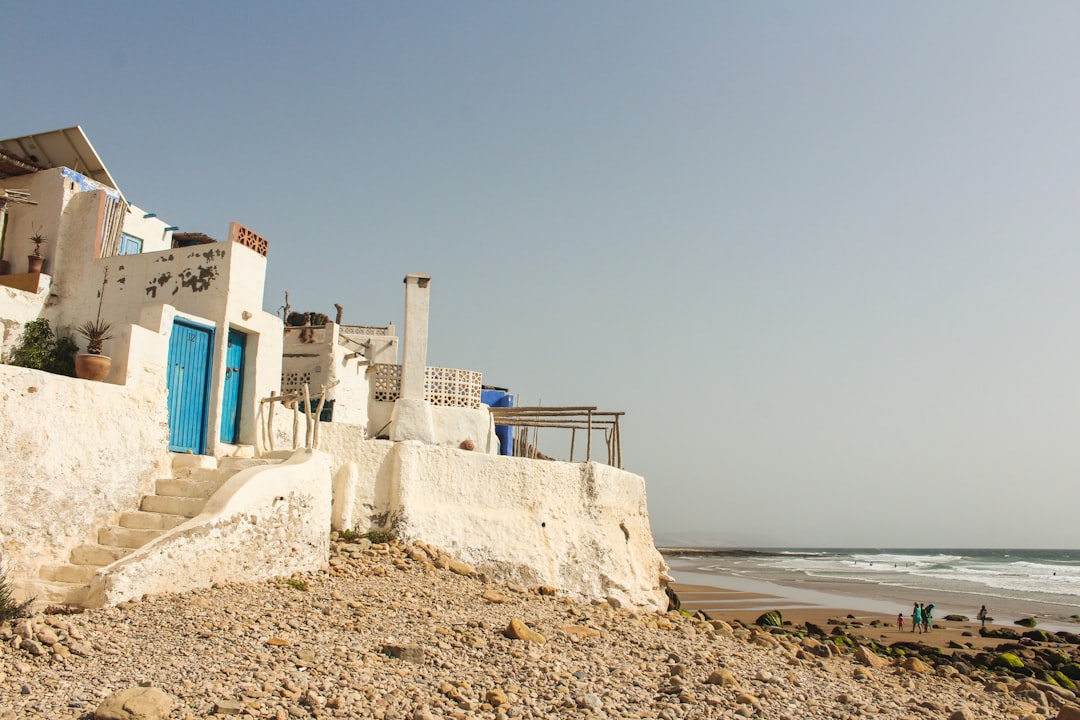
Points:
190	347
234	387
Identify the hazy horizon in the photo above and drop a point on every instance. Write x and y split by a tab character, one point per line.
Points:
823	255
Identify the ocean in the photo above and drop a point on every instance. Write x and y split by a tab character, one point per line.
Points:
1040	583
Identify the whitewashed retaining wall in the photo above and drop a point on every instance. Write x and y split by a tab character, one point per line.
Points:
581	528
264	522
73	455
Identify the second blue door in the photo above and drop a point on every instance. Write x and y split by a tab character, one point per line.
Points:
234	387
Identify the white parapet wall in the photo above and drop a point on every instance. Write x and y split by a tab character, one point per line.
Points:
582	528
265	522
73	455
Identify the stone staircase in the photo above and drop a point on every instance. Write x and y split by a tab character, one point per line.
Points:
175	501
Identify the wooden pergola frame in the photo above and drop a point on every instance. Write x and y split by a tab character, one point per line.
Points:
572	418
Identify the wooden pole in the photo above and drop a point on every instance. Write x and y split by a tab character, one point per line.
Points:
270	424
307	417
588	450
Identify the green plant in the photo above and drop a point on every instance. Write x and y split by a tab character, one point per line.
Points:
297	584
378	536
37	239
40	348
96	332
10	609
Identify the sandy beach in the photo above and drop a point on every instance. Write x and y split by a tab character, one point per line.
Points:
738	599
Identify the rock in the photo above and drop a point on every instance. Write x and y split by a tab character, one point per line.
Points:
957	618
494	596
773	618
1029	622
228	707
963	713
869	658
1069	712
409	653
589	701
496	698
137	703
518	630
862	673
579	631
46	635
916	665
1007	660
724	678
33	647
456	566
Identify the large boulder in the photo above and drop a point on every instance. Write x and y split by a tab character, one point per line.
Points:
137	703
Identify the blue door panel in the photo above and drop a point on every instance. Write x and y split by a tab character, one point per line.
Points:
234	387
190	347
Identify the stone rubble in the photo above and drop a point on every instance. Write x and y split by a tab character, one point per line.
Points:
385	633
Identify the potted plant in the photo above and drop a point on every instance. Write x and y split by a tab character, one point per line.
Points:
92	365
35	261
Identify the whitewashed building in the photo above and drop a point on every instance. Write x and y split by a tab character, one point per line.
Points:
194	311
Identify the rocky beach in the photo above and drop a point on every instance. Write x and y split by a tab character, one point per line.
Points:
403	632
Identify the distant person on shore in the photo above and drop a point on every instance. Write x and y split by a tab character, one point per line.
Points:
982	615
916	618
927	617
900	621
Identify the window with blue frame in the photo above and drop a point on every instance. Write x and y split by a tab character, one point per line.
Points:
129	245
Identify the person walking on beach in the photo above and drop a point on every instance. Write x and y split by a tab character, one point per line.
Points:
900	621
916	618
927	620
982	615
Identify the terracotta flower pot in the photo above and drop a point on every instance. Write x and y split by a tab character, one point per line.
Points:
34	263
92	367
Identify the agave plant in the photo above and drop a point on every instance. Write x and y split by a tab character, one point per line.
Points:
96	332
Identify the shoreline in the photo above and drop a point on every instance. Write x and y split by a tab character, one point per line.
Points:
730	597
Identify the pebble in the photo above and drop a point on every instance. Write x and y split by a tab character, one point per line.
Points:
381	633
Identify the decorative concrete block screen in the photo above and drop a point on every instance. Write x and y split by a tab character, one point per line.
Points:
248	238
446	387
364	330
294	381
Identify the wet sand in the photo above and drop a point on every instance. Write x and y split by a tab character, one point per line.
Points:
735	598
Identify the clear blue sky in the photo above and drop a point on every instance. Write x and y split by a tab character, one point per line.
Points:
823	254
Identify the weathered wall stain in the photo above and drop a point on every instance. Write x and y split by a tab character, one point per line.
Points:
201	280
155	283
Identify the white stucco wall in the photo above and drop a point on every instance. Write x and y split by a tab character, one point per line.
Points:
451	425
581	528
264	522
47	190
73	455
151	230
17	308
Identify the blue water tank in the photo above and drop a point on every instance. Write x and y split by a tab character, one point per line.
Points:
500	397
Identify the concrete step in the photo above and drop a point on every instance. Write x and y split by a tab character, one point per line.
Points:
68	573
188	507
98	555
188	461
189	487
46	592
233	465
127	537
236	451
137	519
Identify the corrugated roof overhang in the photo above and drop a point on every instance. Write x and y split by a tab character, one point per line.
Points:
67	147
